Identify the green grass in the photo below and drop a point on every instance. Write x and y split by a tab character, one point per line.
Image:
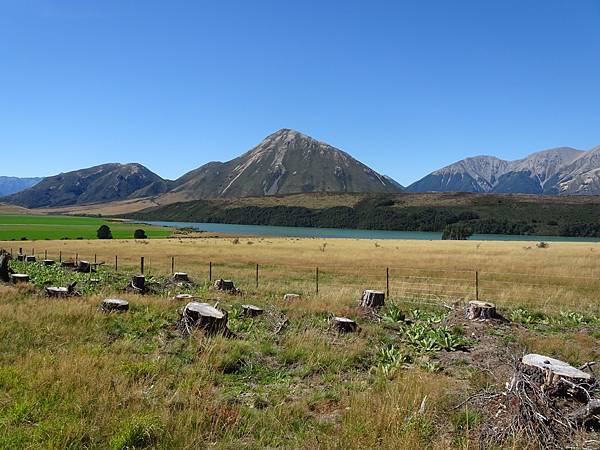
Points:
37	227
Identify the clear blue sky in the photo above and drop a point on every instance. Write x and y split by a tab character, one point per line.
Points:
406	87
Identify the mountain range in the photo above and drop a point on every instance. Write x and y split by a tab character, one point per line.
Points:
10	185
289	162
558	171
285	162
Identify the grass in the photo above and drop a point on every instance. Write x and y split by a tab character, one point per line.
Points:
72	377
17	227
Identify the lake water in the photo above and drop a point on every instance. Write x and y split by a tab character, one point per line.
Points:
263	230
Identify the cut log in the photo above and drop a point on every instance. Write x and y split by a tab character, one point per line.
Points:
114	305
554	369
4	266
225	285
205	317
372	299
477	310
30	258
587	412
252	311
84	267
180	277
291	297
343	324
138	283
48	262
19	278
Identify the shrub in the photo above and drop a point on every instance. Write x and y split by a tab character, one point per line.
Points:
457	231
104	232
139	234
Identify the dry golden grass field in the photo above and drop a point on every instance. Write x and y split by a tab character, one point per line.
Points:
72	377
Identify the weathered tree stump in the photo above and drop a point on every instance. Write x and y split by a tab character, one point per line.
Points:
372	299
343	324
477	310
553	369
138	283
114	305
252	311
68	264
205	317
19	278
84	267
30	258
48	262
225	285
4	266
180	277
291	297
20	257
68	291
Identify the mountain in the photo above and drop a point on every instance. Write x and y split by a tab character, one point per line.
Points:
286	162
558	171
11	185
99	184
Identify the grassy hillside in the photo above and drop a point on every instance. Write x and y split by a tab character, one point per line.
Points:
483	213
31	227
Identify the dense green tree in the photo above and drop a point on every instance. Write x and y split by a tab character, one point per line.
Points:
139	234
104	232
457	232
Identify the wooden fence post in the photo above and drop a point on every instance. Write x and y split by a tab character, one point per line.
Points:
210	271
477	285
317	279
387	282
116	263
172	264
60	256
45	254
142	265
257	276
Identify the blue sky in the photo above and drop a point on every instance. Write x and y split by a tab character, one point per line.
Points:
406	87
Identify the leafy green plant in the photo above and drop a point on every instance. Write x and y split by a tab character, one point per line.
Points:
393	314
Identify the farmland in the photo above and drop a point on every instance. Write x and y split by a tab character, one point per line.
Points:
72	377
19	227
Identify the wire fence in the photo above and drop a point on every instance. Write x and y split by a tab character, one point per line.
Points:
428	284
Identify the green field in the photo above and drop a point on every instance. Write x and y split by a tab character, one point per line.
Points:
19	227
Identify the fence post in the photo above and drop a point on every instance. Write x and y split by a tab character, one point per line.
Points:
60	256
477	285
76	258
116	263
172	264
142	265
45	254
387	282
257	276
317	279
210	271
95	258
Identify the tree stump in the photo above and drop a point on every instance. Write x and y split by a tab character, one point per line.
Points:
68	291
138	283
180	277
48	262
554	369
19	278
184	297
372	299
30	258
68	264
225	285
114	305
477	310
291	297
4	269
252	311
84	267
587	412
20	257
205	317
343	324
